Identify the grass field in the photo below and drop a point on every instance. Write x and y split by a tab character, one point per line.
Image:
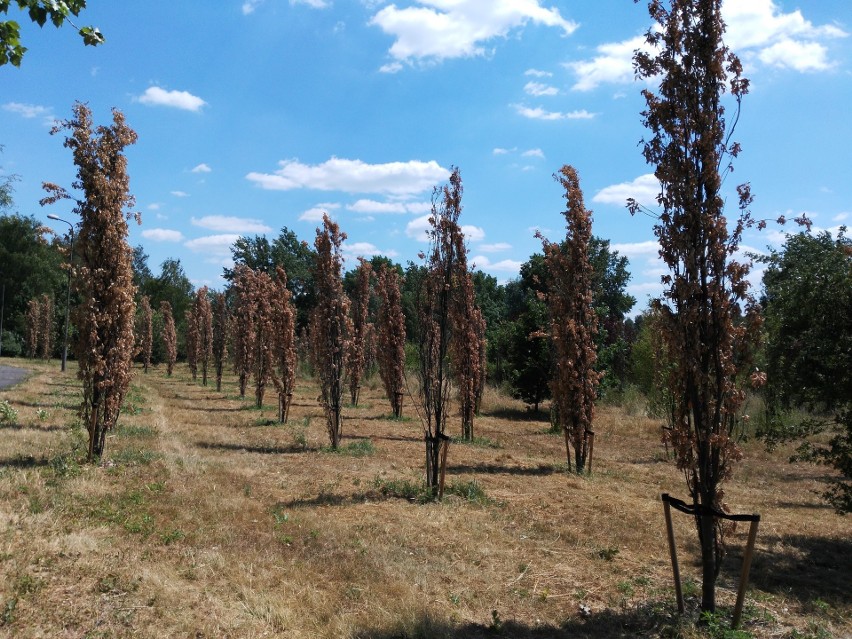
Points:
208	519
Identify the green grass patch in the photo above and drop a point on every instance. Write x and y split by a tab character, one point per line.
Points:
359	448
136	431
131	456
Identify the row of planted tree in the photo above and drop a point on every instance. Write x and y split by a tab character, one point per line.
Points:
253	326
707	321
253	323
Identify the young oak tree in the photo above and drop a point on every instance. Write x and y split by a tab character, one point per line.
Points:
169	336
242	289
220	328
391	338
104	275
330	327
263	293
710	323
192	344
285	356
45	330
573	322
446	266
147	331
202	316
467	344
356	360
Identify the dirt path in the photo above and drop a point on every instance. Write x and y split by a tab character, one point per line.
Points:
10	375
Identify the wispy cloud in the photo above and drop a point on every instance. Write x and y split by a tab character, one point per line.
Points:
230	224
353	176
155	96
503	266
533	153
180	193
372	206
538	113
494	248
215	245
315	213
27	110
538	89
536	73
202	168
162	235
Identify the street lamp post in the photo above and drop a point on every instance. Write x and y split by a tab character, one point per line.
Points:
68	294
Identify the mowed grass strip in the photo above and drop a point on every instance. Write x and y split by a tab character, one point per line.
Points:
207	518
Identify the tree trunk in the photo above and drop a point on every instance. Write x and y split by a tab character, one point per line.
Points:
707	537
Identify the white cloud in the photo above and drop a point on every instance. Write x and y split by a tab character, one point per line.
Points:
180	193
799	56
213	244
372	206
501	151
533	153
250	5
535	73
494	248
637	249
643	189
162	235
202	168
613	63
391	67
473	233
539	88
314	214
540	114
313	4
840	217
435	30
154	206
418	228
366	250
505	266
226	224
155	96
354	176
27	110
756	30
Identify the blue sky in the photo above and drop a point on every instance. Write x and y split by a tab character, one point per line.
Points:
258	114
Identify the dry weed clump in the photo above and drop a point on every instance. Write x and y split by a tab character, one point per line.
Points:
208	518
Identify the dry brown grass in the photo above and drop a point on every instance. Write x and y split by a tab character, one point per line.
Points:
206	519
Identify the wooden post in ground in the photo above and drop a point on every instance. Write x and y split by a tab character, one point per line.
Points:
749	551
590	436
673	552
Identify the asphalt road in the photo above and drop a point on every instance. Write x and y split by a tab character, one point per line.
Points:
9	376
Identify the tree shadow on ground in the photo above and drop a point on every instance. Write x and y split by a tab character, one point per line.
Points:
263	450
649	620
332	499
541	469
46	429
804	567
518	415
24	461
213	410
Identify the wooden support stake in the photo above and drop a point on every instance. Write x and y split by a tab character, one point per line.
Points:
445	444
590	434
749	551
673	552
